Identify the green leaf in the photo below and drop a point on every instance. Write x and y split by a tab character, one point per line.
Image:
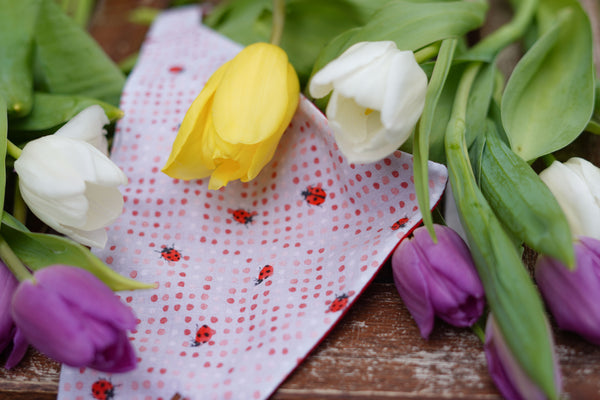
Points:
50	111
412	25
479	100
549	97
522	202
17	22
421	137
70	61
38	250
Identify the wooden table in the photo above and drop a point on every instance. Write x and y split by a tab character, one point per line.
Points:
375	352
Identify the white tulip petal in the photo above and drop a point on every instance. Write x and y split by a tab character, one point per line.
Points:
106	204
589	173
68	210
357	56
88	126
404	98
574	198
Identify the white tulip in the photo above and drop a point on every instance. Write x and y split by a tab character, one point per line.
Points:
576	186
378	97
71	186
88	126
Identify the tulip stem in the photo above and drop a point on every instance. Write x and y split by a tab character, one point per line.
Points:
13	262
13	150
427	53
479	331
278	21
19	207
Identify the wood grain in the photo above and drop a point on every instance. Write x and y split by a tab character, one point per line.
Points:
375	352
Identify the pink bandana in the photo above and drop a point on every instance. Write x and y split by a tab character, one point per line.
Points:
250	277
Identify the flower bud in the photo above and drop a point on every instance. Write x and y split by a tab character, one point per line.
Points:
507	374
573	296
71	186
71	316
438	279
233	127
88	125
576	186
378	95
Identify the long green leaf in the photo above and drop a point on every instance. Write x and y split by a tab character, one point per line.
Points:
38	250
549	97
3	136
421	137
523	202
70	61
511	295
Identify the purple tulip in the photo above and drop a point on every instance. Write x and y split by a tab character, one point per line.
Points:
506	372
573	297
9	333
74	318
438	279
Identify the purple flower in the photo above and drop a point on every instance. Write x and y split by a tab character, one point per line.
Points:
74	318
573	297
506	372
438	279
9	333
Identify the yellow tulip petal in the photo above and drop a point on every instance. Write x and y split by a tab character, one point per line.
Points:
252	101
186	160
227	170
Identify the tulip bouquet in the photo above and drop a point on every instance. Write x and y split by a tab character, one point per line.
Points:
58	92
409	75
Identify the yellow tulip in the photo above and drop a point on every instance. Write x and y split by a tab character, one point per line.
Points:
233	127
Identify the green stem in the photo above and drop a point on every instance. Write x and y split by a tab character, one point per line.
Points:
428	52
593	127
548	159
19	207
479	331
278	21
13	150
13	262
489	46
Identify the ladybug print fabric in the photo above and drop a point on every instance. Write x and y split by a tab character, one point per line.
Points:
241	272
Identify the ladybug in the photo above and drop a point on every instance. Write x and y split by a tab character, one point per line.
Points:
314	195
264	273
103	389
203	335
176	69
401	223
339	303
170	254
243	216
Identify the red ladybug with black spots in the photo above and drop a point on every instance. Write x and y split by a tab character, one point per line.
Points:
243	216
103	389
170	254
265	272
339	303
401	223
203	335
314	195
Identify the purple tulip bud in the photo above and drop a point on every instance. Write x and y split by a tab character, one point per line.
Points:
573	296
438	279
9	333
74	318
506	372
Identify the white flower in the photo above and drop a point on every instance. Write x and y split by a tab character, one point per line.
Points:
378	97
576	186
88	126
71	186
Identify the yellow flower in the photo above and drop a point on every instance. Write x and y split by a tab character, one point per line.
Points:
232	128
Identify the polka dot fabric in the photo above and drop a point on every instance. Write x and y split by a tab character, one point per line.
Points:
250	277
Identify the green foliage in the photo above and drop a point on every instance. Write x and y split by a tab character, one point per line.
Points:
69	61
549	98
39	250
